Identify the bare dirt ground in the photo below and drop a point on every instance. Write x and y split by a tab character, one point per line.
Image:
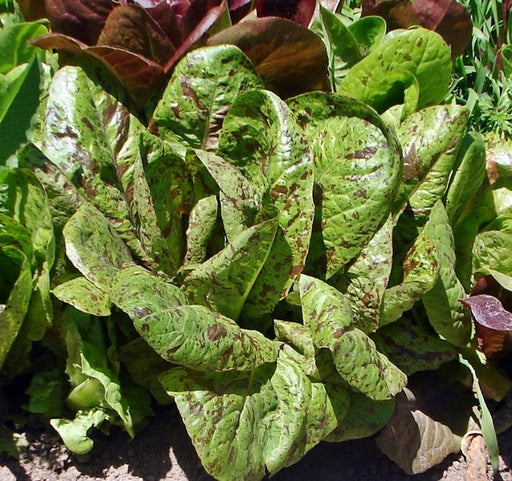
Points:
163	452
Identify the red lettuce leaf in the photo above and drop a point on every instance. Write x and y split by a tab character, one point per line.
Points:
299	11
448	18
137	73
493	322
290	59
81	19
131	28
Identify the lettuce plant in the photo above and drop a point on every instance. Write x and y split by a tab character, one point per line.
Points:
286	268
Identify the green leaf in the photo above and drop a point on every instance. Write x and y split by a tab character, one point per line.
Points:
368	278
421	270
357	172
468	177
364	418
47	393
167	185
430	140
84	296
193	336
406	336
239	200
369	31
14	49
14	304
342	48
91	137
246	424
380	78
18	102
491	255
74	432
94	248
204	84
23	198
224	281
201	228
445	312
261	137
327	315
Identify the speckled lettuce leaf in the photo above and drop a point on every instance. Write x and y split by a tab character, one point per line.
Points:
239	200
446	314
190	335
491	255
398	340
378	79
244	425
93	246
435	184
420	274
84	296
23	198
16	290
368	278
261	137
357	172
224	281
425	137
201	227
467	178
328	316
203	86
92	138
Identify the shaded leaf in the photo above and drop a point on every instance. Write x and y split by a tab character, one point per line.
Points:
421	269
289	58
412	346
413	439
364	418
300	11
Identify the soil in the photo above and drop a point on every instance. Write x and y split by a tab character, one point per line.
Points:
163	452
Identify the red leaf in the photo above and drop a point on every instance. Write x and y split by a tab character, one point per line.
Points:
493	324
137	73
129	27
447	17
299	11
81	19
290	59
489	312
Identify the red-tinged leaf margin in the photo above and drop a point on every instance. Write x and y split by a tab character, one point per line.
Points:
138	74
